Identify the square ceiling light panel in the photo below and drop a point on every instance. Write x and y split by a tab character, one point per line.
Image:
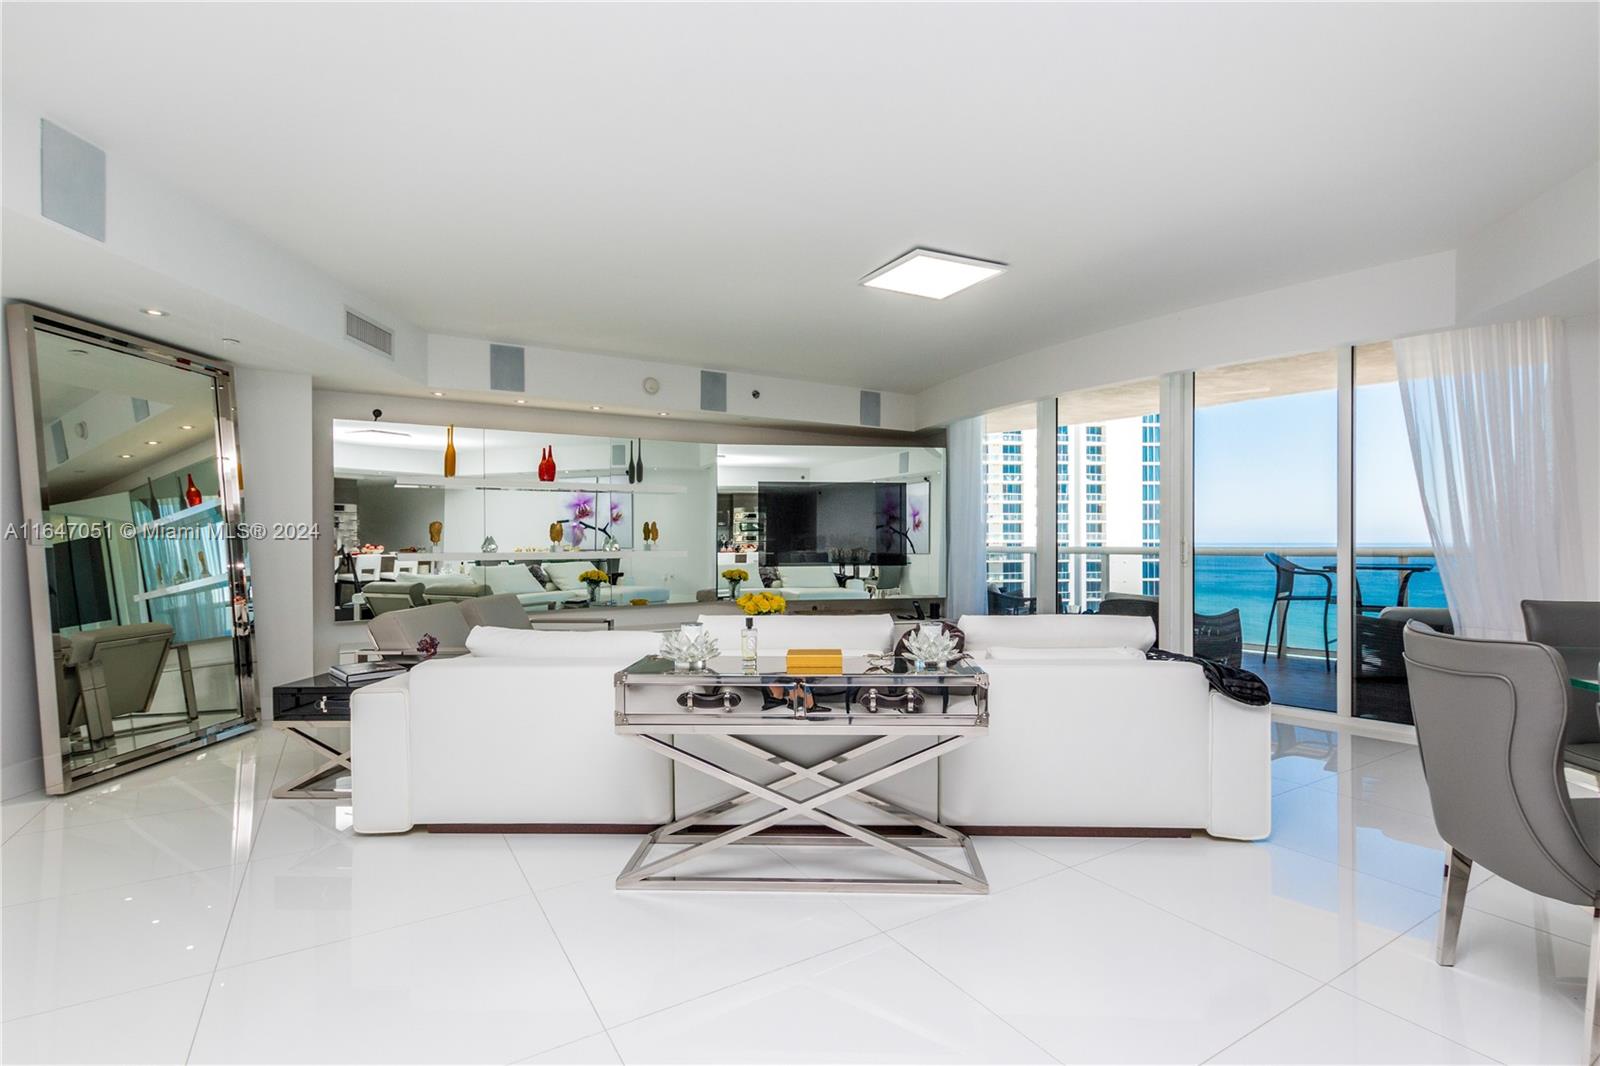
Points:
933	275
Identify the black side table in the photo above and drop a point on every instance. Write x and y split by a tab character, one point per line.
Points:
300	709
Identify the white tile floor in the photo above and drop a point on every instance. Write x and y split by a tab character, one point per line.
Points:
180	915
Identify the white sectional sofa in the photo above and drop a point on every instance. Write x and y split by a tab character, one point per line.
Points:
814	583
1084	734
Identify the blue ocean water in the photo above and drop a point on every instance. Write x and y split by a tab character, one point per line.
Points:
1222	582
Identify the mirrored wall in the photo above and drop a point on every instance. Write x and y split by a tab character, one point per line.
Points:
430	513
139	596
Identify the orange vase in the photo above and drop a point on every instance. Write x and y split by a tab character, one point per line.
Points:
191	495
450	451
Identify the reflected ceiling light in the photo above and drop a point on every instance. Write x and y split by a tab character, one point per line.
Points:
152	443
124	455
594	407
663	414
930	274
154	312
185	427
438	394
522	401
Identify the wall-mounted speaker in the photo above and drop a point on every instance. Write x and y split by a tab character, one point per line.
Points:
713	390
507	367
72	181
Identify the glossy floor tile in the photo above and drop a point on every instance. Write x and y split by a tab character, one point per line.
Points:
181	914
872	1001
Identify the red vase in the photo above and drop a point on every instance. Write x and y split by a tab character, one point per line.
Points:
191	495
547	464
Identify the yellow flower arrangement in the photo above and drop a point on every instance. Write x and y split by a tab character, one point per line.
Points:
736	573
761	603
595	577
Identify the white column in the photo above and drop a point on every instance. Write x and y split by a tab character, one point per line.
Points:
1345	554
1177	512
1044	536
275	441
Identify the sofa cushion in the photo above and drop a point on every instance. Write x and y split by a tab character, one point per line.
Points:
510	577
871	634
619	646
565	575
1064	655
1056	631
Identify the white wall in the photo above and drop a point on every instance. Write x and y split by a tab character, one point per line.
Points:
1393	300
275	452
1546	239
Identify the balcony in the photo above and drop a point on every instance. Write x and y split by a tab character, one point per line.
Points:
1239	577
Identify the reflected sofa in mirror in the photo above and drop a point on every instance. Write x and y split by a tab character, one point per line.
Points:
565	522
139	598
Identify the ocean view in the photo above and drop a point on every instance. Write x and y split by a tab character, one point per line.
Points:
1222	582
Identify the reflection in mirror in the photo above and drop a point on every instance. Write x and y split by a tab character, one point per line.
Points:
136	565
650	522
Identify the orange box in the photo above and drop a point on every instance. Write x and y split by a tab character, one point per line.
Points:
815	661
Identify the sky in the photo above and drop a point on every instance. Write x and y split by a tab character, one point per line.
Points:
1266	473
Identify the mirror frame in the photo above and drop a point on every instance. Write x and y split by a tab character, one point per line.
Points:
22	321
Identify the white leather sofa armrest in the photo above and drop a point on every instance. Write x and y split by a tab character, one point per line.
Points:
380	746
1241	770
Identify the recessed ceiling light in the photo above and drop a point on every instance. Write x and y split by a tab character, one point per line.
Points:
153	312
594	407
230	340
152	443
438	394
663	414
185	427
78	351
522	401
935	275
125	455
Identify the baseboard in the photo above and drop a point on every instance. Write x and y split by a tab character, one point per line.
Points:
22	777
640	828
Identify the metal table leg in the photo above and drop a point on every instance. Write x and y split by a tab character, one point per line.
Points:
334	760
640	873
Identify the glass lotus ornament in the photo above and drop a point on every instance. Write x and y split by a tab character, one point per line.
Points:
689	648
930	647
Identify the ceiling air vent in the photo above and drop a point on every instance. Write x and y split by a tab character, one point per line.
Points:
368	333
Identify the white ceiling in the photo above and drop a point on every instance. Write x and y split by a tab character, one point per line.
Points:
706	184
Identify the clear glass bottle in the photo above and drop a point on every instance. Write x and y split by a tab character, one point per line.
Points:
747	643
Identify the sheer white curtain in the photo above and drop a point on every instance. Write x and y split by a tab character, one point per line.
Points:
968	592
1487	413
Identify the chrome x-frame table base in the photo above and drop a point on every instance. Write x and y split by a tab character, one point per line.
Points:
334	760
909	828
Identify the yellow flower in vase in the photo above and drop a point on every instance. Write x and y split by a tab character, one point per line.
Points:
762	603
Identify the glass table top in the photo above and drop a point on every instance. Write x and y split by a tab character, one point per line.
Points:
864	668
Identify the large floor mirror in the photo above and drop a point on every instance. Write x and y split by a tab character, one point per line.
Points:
139	595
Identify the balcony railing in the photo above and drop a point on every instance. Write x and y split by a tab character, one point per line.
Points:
1236	576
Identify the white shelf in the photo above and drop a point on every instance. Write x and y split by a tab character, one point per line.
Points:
179	589
543	557
179	516
516	483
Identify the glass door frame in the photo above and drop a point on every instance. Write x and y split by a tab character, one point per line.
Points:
1176	553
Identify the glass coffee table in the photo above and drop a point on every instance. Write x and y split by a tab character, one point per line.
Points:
880	702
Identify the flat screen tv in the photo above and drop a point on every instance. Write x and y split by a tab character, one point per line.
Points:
833	522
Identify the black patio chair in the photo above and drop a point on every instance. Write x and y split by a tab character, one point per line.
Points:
1287	593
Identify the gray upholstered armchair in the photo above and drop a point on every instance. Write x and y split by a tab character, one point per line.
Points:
397	632
504	611
1491	722
105	674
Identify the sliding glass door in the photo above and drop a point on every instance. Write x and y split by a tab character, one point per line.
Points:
1010	451
1108	497
1395	577
1266	522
